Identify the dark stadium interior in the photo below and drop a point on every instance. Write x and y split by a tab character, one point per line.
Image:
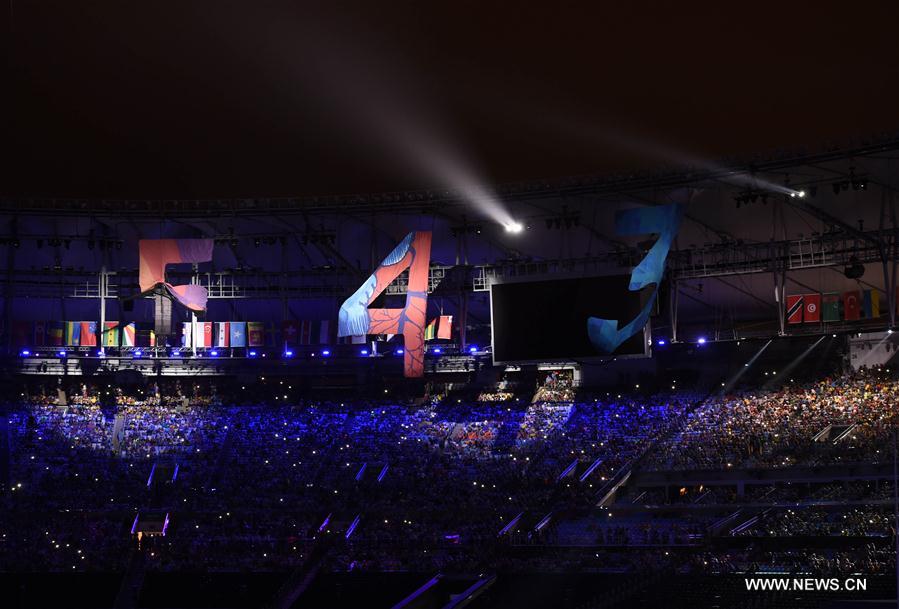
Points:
408	305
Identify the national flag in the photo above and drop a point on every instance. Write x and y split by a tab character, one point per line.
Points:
255	334
238	332
324	332
812	313
129	332
111	334
186	333
56	334
290	332
431	330
870	304
40	333
831	306
22	333
73	333
88	334
445	327
207	334
223	334
851	305
794	309
146	337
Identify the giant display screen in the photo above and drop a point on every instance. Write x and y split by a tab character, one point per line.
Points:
547	320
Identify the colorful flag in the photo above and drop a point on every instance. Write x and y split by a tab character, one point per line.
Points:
831	306
146	337
290	332
223	334
794	309
56	334
238	333
206	327
324	332
73	333
870	304
186	334
22	333
40	333
111	334
812	313
851	305
128	334
445	327
255	334
88	334
431	330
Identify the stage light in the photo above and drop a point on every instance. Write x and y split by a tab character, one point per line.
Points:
62	354
701	340
438	350
326	353
138	353
100	353
514	227
473	349
288	353
801	194
363	352
399	351
661	342
252	354
214	353
25	352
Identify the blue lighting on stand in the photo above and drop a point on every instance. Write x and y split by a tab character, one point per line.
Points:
288	353
138	354
62	354
326	353
701	340
437	350
661	342
399	351
214	353
251	354
25	352
473	349
363	352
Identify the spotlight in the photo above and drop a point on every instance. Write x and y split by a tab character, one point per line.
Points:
61	354
252	354
363	352
514	227
214	353
801	194
399	352
438	350
473	349
661	342
326	353
138	354
25	352
288	353
701	340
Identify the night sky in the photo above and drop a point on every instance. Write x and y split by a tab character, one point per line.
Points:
216	99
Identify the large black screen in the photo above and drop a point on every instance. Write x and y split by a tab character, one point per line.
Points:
547	320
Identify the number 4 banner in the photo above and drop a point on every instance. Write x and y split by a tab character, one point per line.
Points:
356	319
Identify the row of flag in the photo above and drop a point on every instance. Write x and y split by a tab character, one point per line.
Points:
81	334
849	306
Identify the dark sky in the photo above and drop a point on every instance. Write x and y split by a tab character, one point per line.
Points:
216	99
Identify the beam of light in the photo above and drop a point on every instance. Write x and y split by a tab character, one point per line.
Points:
732	381
785	373
365	90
